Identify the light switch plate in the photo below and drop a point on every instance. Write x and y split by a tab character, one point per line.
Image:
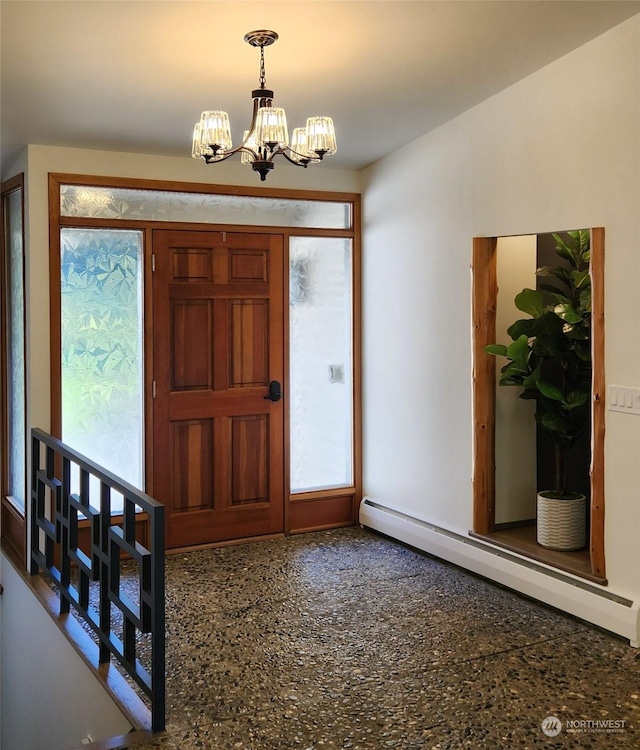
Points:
621	398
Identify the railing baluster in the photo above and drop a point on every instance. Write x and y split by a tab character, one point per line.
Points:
158	686
129	521
34	531
105	604
50	462
62	521
84	487
54	519
129	641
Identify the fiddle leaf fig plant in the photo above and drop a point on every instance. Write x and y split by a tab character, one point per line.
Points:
550	354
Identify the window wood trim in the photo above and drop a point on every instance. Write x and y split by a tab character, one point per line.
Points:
12	517
178	186
484	296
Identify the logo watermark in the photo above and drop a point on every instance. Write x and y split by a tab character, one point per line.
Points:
596	726
552	726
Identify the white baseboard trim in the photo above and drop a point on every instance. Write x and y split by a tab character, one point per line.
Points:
564	591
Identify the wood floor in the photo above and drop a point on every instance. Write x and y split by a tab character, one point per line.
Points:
522	540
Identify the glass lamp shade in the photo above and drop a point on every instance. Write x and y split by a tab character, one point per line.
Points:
245	157
321	135
197	149
215	130
299	145
271	127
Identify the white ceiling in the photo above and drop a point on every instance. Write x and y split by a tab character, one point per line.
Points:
134	76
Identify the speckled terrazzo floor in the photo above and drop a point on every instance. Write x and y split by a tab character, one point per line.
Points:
344	639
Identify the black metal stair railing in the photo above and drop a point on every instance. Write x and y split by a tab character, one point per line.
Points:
56	516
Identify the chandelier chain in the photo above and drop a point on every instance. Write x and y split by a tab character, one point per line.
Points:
263	76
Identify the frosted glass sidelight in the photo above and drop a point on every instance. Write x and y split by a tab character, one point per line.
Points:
16	424
102	377
160	205
321	380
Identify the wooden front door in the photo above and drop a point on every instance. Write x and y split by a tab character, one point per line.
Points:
218	327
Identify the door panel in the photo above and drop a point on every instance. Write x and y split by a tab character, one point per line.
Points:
218	343
249	453
250	343
192	444
191	366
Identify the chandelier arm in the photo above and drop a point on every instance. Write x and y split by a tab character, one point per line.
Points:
209	158
248	150
242	146
305	160
309	159
254	119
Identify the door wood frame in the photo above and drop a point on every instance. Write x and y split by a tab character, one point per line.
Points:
303	511
484	298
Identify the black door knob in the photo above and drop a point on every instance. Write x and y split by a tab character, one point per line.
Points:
275	393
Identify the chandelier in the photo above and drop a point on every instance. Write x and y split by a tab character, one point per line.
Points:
267	135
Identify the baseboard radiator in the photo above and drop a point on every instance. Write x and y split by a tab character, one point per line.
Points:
568	593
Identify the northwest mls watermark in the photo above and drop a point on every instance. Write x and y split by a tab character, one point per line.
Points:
552	726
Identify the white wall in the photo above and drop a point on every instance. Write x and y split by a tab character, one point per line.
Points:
15	166
515	439
37	660
558	150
